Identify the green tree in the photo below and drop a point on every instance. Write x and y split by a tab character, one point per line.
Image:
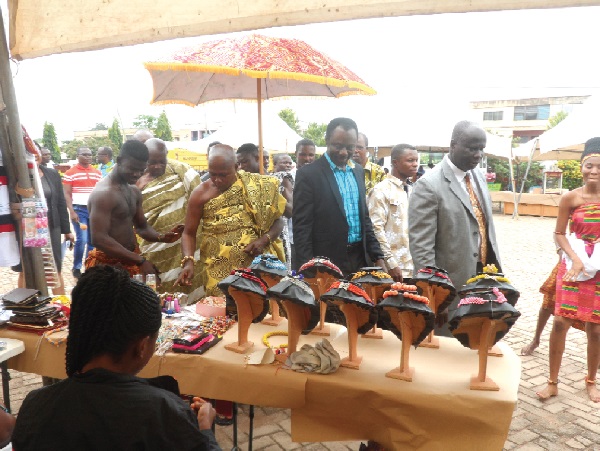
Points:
70	147
290	118
100	126
163	128
316	132
50	141
556	119
571	173
115	136
145	121
500	167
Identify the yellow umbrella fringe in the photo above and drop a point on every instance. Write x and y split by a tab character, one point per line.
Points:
261	74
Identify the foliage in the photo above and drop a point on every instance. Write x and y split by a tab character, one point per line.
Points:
571	173
290	118
556	119
145	121
502	170
115	136
50	141
316	132
100	126
163	128
70	147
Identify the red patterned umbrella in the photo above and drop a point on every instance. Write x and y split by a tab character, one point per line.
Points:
250	67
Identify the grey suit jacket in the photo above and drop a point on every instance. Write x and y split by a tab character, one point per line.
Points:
442	226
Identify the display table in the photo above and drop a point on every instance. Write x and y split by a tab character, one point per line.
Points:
12	348
530	204
435	411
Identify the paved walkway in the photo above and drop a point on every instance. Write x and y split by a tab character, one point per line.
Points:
568	421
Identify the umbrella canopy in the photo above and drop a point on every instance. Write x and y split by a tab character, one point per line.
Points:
250	67
230	68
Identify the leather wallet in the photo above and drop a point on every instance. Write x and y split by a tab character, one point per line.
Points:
20	296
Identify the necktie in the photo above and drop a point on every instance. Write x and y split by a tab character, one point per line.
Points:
480	219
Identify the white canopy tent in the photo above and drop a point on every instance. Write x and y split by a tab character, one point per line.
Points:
58	26
278	136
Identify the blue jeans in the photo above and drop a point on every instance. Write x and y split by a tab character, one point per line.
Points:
83	238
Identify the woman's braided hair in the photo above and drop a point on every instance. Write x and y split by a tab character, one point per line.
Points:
108	312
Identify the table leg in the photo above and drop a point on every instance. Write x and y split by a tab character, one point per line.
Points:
5	387
251	431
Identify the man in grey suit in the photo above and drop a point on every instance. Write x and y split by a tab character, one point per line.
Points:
450	215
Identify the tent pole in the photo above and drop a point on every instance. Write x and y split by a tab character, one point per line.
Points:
32	257
533	147
514	187
260	138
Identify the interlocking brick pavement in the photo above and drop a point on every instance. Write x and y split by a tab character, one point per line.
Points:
567	422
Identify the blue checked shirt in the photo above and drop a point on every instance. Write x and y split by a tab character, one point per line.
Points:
349	190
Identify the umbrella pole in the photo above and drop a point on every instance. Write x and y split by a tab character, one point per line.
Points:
260	138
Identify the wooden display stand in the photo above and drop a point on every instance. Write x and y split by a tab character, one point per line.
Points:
375	292
351	312
296	324
481	332
319	285
431	341
404	372
275	318
244	309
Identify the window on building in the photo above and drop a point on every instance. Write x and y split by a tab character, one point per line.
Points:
532	113
194	135
492	115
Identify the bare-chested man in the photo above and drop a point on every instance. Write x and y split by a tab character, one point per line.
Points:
240	215
115	207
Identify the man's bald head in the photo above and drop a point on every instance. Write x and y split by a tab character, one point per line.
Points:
222	167
156	145
223	153
143	135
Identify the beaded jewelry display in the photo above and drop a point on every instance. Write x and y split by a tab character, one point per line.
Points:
248	274
406	294
378	274
487	276
59	338
435	273
299	282
321	260
352	288
500	299
270	261
275	333
403	287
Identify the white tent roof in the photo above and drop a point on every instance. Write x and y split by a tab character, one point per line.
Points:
570	135
43	28
242	128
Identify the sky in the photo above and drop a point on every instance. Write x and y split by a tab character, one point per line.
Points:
425	69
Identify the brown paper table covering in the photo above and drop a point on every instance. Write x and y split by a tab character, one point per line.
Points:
435	411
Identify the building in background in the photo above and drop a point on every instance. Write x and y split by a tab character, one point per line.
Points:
523	119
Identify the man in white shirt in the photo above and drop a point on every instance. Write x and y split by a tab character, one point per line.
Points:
388	208
450	215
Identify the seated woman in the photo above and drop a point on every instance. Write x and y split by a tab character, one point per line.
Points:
102	404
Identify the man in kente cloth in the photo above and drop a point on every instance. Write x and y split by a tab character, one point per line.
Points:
166	187
115	207
241	218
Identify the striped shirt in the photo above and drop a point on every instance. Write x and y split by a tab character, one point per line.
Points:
82	181
349	190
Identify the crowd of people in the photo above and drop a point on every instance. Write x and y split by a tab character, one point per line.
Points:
148	215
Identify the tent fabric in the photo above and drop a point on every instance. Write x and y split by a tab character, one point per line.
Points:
58	26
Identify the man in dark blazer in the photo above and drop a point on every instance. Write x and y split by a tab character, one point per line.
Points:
442	219
330	214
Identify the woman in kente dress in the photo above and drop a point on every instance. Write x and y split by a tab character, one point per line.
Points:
578	287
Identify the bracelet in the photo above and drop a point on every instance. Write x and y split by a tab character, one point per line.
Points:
560	233
160	237
268	237
185	259
141	262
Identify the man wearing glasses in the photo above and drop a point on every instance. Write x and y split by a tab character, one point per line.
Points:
330	214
